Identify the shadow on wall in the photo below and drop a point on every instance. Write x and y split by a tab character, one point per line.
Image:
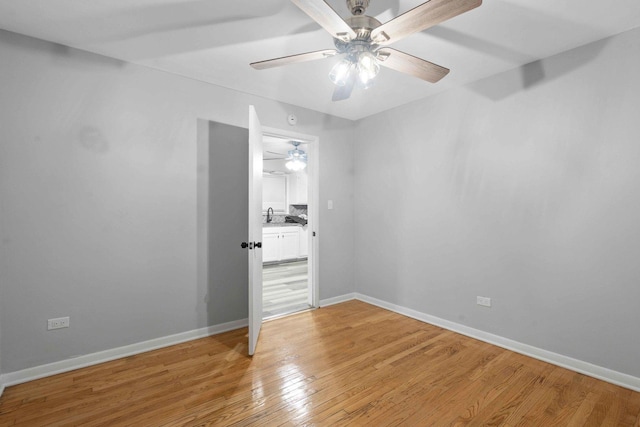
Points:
526	160
534	74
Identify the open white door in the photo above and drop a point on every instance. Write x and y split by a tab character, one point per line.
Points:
255	229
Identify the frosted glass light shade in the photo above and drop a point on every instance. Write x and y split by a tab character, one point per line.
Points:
340	72
368	67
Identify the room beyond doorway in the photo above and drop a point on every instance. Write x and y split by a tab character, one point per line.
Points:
288	218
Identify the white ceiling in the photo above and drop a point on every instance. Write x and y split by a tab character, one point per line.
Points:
214	41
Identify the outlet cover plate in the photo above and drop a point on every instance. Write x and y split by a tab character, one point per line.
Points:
58	323
483	301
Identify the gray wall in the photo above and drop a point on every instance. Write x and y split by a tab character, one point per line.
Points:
524	187
98	183
1	383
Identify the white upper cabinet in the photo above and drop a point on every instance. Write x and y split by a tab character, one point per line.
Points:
298	188
274	193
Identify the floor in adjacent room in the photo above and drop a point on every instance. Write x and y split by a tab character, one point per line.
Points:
285	288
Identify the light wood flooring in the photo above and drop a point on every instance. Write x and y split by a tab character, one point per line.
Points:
285	288
349	364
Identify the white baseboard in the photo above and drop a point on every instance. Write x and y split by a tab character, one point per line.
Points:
337	300
18	377
576	365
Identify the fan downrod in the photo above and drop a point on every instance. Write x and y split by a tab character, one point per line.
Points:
357	7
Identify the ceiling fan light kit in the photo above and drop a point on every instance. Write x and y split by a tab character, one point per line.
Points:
361	41
296	159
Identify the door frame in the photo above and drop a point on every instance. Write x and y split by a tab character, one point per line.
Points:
313	169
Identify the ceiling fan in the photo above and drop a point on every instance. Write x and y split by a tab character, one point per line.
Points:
362	41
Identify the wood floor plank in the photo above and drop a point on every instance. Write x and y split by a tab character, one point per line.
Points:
349	364
285	288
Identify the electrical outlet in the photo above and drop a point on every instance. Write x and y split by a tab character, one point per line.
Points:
483	301
58	323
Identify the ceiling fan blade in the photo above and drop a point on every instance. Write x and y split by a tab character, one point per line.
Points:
410	64
420	18
292	59
344	92
272	155
328	18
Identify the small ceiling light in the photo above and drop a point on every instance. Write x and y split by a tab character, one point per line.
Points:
297	159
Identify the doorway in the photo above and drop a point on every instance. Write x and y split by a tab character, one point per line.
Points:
288	223
222	223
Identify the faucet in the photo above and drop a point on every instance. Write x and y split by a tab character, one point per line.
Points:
269	217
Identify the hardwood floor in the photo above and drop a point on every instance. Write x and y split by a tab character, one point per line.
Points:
348	364
285	288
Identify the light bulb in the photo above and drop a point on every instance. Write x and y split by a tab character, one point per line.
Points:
295	165
340	72
368	67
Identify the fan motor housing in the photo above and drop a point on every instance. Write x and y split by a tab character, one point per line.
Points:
362	25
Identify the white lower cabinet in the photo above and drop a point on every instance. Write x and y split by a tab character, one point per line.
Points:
304	241
289	243
270	244
281	243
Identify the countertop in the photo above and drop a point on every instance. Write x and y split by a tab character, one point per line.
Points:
280	224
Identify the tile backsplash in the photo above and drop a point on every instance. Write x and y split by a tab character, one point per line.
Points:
275	219
295	210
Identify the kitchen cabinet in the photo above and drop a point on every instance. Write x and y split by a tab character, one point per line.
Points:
298	188
304	242
274	193
270	244
289	243
281	243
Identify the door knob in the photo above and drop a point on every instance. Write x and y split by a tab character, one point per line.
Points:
251	245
